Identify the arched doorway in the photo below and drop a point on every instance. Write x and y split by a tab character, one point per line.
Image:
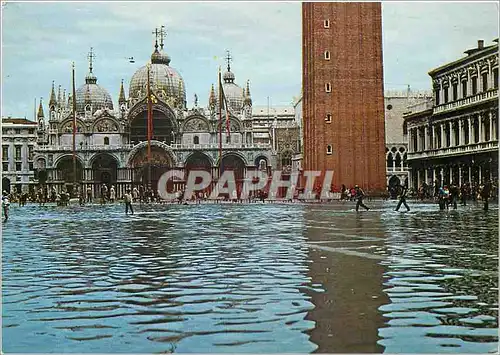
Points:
6	185
232	162
163	130
65	173
146	172
394	182
104	171
197	162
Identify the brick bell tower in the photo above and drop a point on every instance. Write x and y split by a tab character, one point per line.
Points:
343	93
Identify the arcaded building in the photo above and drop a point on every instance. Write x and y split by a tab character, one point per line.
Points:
453	138
343	95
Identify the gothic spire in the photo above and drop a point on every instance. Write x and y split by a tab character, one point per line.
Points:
121	99
40	111
211	99
59	99
248	97
52	100
63	102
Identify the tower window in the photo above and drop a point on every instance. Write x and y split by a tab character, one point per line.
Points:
328	87
327	55
495	78
464	89
329	149
328	118
326	23
106	140
196	140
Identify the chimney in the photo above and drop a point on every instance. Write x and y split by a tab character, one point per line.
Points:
480	44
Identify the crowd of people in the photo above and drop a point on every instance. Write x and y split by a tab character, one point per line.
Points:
446	196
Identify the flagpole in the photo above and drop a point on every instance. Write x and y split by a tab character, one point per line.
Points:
150	114
220	123
74	128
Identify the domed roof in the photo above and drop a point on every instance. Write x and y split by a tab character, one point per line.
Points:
92	94
234	93
165	80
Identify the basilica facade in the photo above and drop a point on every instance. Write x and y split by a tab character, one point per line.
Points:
112	142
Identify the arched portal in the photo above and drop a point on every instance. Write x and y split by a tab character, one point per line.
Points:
6	185
234	163
197	162
163	130
105	169
66	174
149	171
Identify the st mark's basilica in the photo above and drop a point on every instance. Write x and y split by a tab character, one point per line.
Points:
111	142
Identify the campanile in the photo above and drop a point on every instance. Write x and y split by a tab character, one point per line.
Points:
343	92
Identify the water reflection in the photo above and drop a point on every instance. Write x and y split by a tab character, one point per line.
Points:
177	278
344	261
250	278
442	280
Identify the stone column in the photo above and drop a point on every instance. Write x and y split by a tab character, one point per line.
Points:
480	126
490	117
480	173
460	175
426	137
451	174
470	174
469	121
426	175
461	138
452	134
441	133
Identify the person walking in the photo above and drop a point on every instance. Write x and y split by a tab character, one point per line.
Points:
359	195
128	202
454	193
112	194
5	206
403	191
485	194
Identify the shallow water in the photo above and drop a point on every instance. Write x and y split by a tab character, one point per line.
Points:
250	278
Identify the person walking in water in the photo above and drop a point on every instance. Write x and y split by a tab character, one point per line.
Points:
128	202
403	191
5	207
359	194
485	194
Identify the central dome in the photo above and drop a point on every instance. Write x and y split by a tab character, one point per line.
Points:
234	94
92	95
165	81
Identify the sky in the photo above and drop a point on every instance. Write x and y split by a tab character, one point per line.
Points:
41	40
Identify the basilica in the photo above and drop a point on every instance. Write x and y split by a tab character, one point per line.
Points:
112	142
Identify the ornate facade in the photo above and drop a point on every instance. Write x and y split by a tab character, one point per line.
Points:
396	140
454	136
18	146
111	142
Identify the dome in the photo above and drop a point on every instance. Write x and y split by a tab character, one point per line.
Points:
165	80
234	94
92	94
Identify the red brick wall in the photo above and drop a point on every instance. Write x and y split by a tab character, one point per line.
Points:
356	102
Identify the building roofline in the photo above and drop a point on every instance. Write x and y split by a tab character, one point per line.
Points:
472	54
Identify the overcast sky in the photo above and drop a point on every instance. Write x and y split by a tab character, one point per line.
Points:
40	40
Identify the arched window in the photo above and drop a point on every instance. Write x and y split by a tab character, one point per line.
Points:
329	149
196	140
328	87
389	161
106	140
327	55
